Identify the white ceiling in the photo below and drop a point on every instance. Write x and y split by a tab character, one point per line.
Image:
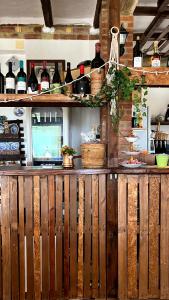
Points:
64	11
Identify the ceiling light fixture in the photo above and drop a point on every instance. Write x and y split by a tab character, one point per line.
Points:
49	30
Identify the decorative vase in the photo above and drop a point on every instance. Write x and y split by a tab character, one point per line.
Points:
67	161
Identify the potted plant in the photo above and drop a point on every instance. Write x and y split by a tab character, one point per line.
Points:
67	153
119	86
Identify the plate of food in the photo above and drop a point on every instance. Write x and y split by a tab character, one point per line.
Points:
1	128
134	163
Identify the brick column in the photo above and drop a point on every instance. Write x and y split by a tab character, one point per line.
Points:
127	60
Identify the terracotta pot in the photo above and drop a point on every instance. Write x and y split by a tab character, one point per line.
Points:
67	161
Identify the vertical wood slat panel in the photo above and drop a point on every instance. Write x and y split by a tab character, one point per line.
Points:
112	238
164	239
95	236
45	237
21	238
66	236
14	237
6	253
59	227
143	245
87	238
73	236
102	235
29	237
132	236
37	270
80	237
51	197
154	198
122	237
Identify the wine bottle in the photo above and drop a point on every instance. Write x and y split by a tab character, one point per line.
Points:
1	82
56	82
21	80
68	78
155	59
134	120
45	78
32	81
82	85
137	54
167	114
97	77
10	80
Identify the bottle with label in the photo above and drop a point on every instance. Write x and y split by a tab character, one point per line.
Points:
68	79
32	81
134	120
155	59
167	114
45	79
1	82
56	82
10	80
97	77
137	54
82	85
21	79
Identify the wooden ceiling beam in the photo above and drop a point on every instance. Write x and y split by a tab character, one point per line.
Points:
163	45
97	14
145	11
127	7
163	5
160	38
47	12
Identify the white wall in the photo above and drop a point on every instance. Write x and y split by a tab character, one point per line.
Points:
69	50
158	100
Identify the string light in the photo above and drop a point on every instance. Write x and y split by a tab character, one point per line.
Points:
113	60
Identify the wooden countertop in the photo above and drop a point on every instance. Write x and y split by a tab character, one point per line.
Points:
16	171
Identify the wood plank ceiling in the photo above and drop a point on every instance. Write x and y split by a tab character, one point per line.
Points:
158	29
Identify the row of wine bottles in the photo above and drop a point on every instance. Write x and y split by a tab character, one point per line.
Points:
20	84
138	55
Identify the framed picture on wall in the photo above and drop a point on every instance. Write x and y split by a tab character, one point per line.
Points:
50	65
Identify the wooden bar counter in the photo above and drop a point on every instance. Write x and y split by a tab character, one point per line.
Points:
86	233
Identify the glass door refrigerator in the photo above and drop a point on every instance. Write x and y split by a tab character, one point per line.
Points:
48	135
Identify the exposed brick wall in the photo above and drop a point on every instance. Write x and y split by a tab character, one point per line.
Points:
127	60
62	32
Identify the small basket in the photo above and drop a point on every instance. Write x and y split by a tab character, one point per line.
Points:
93	155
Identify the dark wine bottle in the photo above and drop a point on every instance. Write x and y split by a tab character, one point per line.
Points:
21	80
97	77
32	81
137	54
45	78
1	82
68	79
82	85
167	114
56	82
10	80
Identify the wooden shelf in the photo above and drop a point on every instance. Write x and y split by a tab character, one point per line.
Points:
41	100
161	123
155	80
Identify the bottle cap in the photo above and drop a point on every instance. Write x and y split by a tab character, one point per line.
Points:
81	69
32	65
21	64
98	46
